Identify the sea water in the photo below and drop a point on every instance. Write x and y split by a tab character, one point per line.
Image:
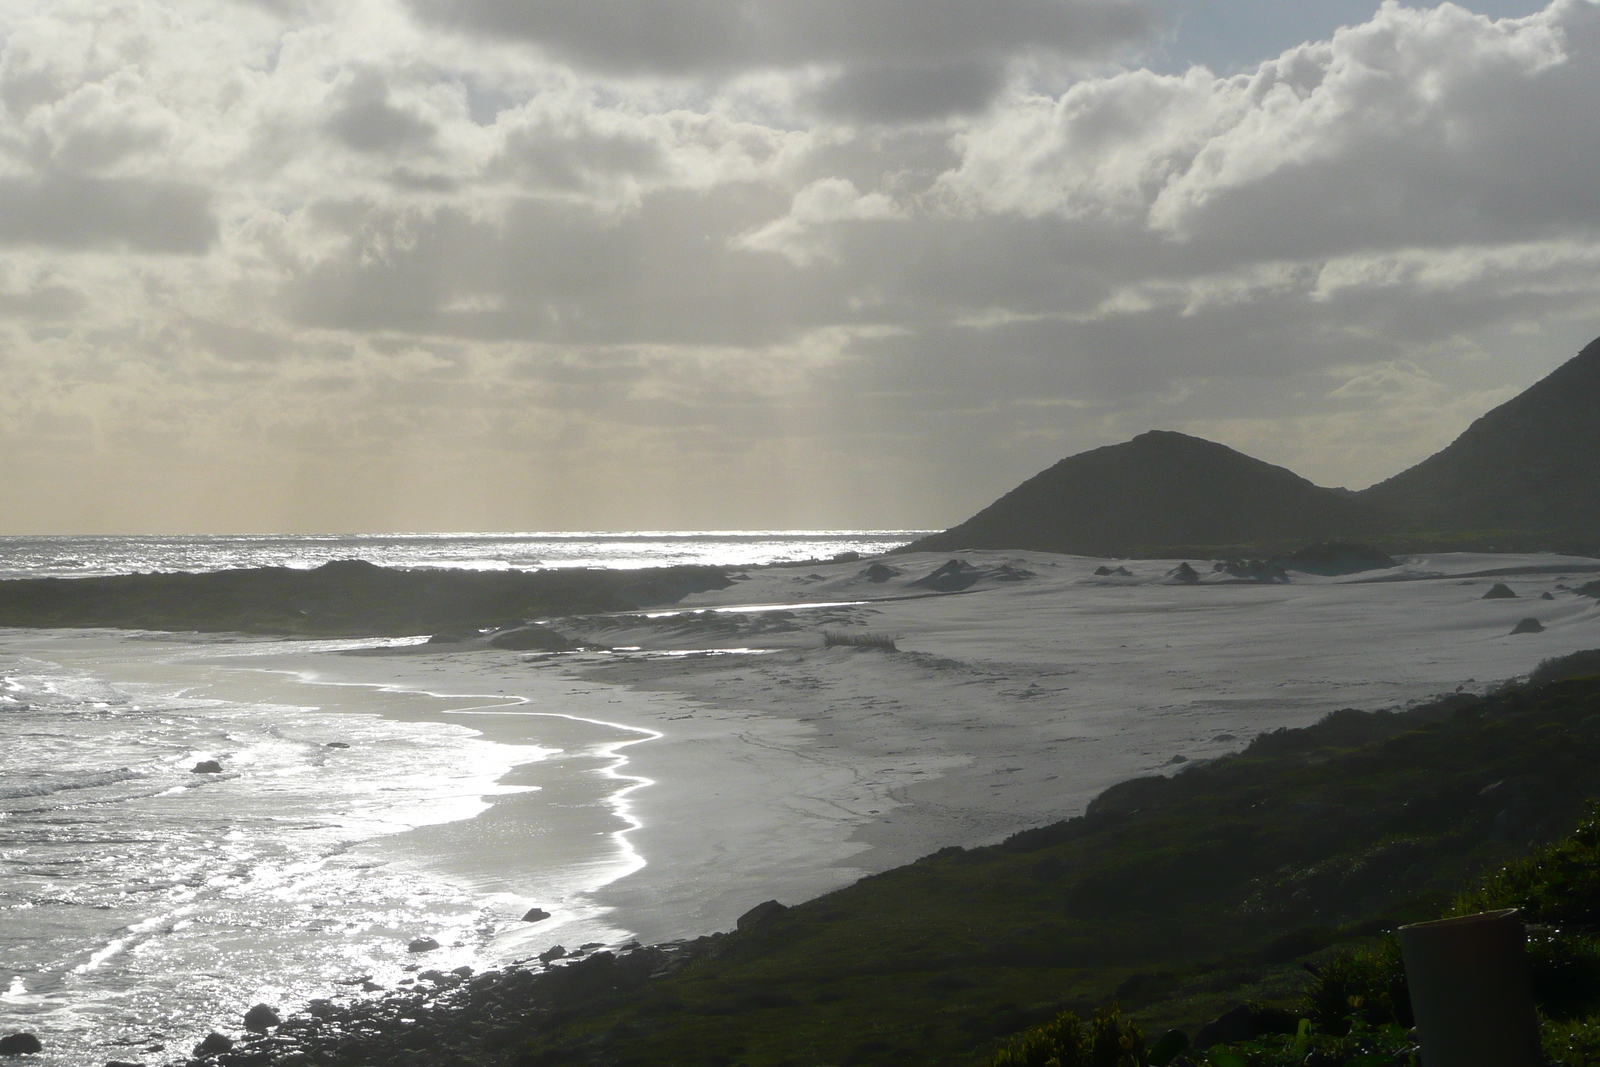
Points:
75	557
142	904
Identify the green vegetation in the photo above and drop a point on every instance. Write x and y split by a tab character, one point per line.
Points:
1356	1011
1176	898
836	639
1107	1041
348	598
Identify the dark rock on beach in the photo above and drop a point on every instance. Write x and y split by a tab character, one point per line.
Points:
261	1018
954	576
206	766
535	915
553	953
422	944
1547	595
19	1045
879	573
214	1044
1528	626
335	744
760	915
1499	591
1184	573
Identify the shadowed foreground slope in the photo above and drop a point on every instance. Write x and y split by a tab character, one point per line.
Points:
1179	897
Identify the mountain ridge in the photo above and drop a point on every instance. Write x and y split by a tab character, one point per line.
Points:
1522	475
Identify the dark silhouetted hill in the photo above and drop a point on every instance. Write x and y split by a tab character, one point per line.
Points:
1160	490
1531	464
1523	477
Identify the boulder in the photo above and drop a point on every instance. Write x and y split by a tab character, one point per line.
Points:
1547	595
951	578
554	952
879	573
535	915
422	944
760	915
214	1044
261	1018
335	744
1499	591
19	1045
206	766
1184	573
1102	572
1528	626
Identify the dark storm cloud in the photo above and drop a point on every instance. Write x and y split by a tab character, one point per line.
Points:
77	211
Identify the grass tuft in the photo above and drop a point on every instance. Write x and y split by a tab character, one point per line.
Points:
835	639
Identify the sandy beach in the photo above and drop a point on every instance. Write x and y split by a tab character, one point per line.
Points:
720	759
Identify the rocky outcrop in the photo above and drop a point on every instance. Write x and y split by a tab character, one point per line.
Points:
1499	591
422	944
1528	626
20	1045
535	915
760	915
206	766
1184	574
261	1018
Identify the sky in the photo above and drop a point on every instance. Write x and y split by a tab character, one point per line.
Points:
445	265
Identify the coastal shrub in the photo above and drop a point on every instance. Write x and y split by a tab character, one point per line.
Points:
1559	668
1565	969
1107	1040
1364	985
835	639
1559	883
1362	1046
1573	1043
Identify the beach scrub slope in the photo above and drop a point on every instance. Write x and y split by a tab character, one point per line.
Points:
346	598
1521	478
1177	897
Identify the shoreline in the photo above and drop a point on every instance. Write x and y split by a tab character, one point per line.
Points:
1009	706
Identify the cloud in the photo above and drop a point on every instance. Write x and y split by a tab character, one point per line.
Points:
78	211
755	264
892	59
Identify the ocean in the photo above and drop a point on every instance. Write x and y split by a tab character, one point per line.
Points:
143	904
